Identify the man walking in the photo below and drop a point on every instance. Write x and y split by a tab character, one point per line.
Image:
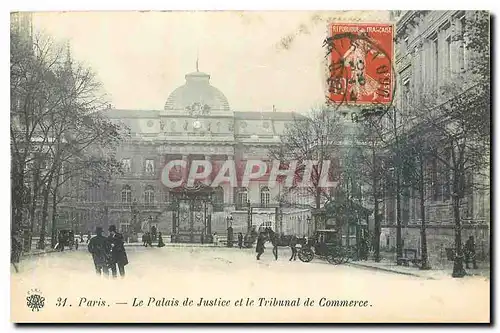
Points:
240	240
118	254
470	253
100	249
259	248
293	247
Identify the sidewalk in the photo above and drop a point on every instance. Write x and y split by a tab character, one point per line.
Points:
155	244
432	274
36	252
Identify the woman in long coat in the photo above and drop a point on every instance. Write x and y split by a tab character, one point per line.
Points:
160	240
260	245
118	254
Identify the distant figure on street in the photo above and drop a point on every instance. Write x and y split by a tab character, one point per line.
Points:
293	247
470	253
60	241
81	237
260	245
215	239
160	240
118	254
146	239
363	249
100	249
89	235
240	240
153	233
150	239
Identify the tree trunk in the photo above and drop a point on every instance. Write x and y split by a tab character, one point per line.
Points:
423	235
54	209
53	238
317	199
399	238
34	199
458	265
45	213
17	198
376	217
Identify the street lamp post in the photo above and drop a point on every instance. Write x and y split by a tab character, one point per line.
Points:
308	225
229	227
249	217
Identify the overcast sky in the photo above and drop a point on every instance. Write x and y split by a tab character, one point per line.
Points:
142	57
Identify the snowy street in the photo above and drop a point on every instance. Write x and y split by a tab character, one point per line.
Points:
159	277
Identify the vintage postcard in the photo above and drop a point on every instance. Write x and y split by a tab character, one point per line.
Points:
241	167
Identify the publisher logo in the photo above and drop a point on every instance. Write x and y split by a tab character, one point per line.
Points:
35	300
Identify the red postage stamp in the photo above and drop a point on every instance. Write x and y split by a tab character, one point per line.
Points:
360	63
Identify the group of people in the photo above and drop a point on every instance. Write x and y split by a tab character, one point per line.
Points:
109	252
149	237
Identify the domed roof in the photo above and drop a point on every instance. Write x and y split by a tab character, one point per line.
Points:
197	93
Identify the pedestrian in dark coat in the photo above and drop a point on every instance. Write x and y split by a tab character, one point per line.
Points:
470	253
150	239
60	241
100	248
160	240
363	251
118	254
89	235
293	247
240	240
260	245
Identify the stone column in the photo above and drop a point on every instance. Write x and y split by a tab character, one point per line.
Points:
441	68
459	37
185	171
418	69
468	16
229	199
454	62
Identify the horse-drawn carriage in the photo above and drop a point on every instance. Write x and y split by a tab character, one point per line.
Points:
326	244
66	238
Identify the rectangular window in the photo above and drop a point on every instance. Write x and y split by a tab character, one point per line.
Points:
150	167
406	93
126	165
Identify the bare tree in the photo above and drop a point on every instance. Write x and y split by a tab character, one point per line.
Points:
456	123
55	122
317	137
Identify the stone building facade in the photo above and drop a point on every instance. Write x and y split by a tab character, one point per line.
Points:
196	123
428	54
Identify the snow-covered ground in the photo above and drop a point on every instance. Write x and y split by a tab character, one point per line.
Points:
160	277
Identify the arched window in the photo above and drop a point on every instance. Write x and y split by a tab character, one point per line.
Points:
126	193
265	196
242	197
149	194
